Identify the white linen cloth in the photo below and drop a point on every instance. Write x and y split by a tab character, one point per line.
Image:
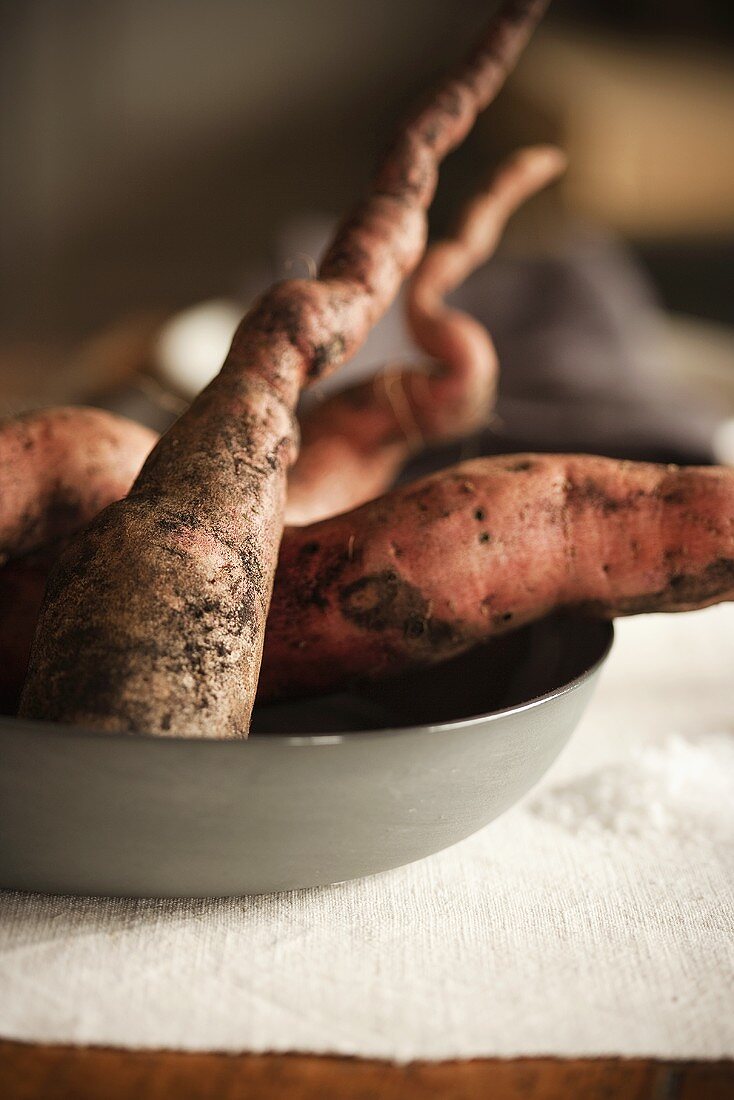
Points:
597	917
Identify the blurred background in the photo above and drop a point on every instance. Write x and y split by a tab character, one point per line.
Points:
160	154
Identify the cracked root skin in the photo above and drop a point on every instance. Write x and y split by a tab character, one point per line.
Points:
431	569
162	600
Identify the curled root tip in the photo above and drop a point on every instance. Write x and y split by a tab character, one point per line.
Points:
547	161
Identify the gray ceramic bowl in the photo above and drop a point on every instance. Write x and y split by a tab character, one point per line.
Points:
356	784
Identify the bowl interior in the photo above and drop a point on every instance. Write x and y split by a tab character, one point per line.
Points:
508	671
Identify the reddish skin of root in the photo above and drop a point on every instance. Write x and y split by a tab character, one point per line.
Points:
22	582
438	566
154	618
355	443
59	467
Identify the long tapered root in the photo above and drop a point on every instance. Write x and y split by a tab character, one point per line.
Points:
461	392
354	443
162	600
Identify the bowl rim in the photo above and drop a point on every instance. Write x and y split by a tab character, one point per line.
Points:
293	740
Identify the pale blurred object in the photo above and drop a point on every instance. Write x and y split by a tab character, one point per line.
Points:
648	129
723	443
703	352
192	345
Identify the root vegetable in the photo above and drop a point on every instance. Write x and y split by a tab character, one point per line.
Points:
154	617
59	468
22	583
435	567
355	443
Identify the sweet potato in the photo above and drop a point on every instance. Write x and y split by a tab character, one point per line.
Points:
22	583
154	617
355	443
438	566
58	468
435	567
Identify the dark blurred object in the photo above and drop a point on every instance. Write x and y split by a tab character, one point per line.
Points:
158	147
585	363
159	150
693	277
153	147
706	18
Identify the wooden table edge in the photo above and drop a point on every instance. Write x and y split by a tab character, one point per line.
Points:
30	1071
